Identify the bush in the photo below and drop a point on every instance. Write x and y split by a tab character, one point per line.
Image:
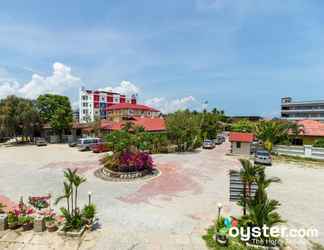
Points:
319	143
89	212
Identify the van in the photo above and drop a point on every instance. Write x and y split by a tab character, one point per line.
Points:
85	144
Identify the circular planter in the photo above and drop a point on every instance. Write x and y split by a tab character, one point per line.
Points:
110	175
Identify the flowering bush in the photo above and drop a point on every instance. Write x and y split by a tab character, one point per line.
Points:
39	202
138	161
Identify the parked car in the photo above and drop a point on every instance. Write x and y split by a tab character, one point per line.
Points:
263	157
41	142
85	144
100	148
73	144
219	140
208	144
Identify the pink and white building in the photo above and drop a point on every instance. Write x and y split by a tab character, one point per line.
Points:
95	103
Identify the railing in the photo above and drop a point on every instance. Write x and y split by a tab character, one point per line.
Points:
303	151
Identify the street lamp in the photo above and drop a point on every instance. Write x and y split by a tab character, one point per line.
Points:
89	197
220	206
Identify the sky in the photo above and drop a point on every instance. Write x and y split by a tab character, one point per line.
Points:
241	56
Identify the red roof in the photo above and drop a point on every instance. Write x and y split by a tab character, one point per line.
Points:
131	106
149	124
311	128
241	137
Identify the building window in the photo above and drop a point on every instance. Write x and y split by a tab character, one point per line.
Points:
238	144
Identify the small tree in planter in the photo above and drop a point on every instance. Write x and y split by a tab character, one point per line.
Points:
73	221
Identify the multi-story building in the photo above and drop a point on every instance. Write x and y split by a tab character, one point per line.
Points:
301	110
124	111
94	103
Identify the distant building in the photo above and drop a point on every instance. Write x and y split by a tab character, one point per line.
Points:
94	103
301	110
310	131
76	115
124	111
241	143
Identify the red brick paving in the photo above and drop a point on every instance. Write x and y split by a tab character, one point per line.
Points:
7	202
82	166
173	180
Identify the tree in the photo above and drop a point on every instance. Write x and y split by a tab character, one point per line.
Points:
261	209
183	128
18	117
248	174
243	125
56	111
273	132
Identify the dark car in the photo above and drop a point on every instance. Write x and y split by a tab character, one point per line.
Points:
100	148
41	142
73	144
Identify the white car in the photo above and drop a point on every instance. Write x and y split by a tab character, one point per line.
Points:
263	157
85	144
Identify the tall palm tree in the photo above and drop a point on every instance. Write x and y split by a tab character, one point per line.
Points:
70	176
248	174
66	195
272	132
77	181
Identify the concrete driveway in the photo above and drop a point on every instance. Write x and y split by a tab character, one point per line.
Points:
169	212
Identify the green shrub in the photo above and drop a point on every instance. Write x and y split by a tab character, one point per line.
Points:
12	218
319	143
89	212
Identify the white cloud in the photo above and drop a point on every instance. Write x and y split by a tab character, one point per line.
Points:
168	106
60	81
125	87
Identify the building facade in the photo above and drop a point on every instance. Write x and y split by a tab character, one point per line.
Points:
301	110
95	103
124	111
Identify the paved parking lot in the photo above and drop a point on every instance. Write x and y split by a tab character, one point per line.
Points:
169	212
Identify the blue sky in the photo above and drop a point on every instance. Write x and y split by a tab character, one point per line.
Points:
240	55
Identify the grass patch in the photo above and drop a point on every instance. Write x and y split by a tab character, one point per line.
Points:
234	244
298	159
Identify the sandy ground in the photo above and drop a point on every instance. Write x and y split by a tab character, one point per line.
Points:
169	212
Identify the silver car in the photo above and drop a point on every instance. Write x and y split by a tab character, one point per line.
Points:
263	157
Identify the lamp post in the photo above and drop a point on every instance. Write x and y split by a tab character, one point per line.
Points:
220	206
89	197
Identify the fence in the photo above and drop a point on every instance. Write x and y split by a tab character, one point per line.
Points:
237	187
303	151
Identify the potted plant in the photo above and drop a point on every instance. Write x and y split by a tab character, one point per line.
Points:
50	222
26	221
88	214
12	221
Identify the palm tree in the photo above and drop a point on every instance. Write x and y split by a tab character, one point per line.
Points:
70	176
271	132
248	174
261	209
77	181
66	195
128	126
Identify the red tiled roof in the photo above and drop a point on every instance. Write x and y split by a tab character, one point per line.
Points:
311	128
149	124
131	106
241	137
